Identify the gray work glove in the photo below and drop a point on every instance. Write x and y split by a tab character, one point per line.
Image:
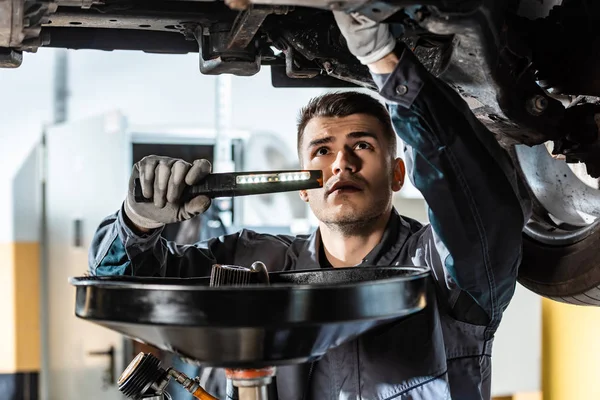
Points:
367	40
163	180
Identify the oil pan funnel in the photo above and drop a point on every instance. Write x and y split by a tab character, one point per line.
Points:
295	319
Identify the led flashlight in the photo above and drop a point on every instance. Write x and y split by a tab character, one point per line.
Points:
245	183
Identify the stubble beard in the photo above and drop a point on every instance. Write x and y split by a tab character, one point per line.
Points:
359	224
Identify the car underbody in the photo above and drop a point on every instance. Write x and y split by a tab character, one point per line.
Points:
527	68
529	80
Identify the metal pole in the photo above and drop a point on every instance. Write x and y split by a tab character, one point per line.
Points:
223	123
60	105
61	88
253	393
44	311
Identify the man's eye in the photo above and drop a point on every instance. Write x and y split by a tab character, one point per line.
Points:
321	151
362	146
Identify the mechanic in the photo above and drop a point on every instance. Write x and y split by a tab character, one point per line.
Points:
477	210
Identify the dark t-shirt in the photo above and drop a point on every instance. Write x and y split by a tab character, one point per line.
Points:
323	261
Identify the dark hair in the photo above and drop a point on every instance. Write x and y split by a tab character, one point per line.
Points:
343	104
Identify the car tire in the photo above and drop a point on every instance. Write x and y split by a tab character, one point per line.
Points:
569	274
561	260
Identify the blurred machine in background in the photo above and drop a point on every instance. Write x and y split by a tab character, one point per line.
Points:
277	212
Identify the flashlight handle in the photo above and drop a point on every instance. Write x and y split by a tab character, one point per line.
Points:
224	185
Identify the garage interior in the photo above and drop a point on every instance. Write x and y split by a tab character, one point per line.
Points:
90	115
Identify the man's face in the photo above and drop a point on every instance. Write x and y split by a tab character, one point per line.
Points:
359	174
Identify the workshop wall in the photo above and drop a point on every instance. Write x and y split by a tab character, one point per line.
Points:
571	351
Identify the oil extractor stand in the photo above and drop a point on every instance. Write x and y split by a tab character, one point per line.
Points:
251	329
245	319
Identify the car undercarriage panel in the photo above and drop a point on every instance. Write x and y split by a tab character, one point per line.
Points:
528	79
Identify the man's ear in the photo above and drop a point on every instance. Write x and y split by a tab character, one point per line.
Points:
399	171
303	195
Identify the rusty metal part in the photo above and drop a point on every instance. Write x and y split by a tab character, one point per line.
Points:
20	27
536	105
238	4
10	58
11	22
495	67
511	70
291	69
143	21
490	71
315	49
85	4
216	58
108	39
248	22
346	74
244	29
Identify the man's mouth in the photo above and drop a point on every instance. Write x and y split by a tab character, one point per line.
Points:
344	187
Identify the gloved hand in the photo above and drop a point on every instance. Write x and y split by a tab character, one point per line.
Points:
163	180
368	40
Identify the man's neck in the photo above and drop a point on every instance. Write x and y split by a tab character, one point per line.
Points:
347	246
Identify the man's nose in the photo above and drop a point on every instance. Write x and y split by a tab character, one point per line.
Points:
345	161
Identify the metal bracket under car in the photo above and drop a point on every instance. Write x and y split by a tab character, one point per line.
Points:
495	67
